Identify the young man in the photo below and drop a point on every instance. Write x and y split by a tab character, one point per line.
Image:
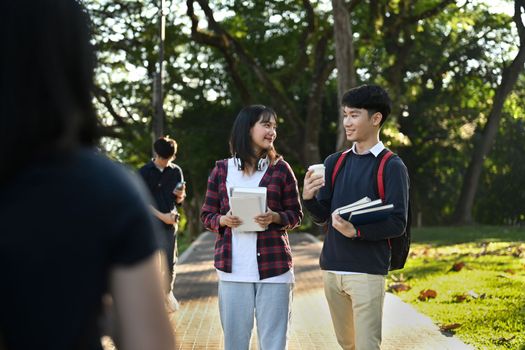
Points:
355	259
165	181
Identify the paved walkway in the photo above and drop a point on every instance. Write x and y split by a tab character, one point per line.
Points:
198	326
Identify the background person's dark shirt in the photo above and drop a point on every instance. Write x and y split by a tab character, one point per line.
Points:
65	224
161	185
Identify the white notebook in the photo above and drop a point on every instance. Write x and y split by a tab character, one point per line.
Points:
247	203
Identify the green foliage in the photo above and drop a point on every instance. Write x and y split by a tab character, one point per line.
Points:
441	70
485	296
500	198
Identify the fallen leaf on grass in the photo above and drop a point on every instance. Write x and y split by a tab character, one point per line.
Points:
484	247
518	252
398	287
476	295
424	252
458	298
503	340
400	278
510	271
426	294
457	266
449	327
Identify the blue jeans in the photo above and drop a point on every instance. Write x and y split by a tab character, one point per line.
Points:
270	303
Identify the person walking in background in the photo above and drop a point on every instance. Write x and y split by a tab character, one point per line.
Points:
74	224
165	182
356	258
254	268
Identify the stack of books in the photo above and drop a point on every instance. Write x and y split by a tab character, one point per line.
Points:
365	211
247	203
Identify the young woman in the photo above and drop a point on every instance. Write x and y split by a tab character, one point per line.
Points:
254	268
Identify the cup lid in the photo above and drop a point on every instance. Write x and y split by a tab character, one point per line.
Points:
316	166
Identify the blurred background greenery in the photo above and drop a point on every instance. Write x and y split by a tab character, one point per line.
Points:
453	68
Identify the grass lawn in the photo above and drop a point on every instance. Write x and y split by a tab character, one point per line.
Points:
483	298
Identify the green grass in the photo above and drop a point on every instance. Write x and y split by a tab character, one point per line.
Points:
183	242
492	316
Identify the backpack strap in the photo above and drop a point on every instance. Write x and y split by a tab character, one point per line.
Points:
384	156
380	177
337	166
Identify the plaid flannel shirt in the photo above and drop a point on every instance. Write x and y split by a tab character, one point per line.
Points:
274	255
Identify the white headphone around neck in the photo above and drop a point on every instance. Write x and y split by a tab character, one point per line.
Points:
261	164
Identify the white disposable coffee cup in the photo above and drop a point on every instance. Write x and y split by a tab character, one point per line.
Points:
318	169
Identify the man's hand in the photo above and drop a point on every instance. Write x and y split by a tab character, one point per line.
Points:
180	194
169	218
312	184
230	220
267	218
344	227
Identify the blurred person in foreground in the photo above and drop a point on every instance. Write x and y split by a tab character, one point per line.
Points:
74	224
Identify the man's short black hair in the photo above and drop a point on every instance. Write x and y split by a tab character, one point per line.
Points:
165	147
373	98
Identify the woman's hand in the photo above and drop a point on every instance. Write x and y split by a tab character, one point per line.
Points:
344	227
230	220
268	218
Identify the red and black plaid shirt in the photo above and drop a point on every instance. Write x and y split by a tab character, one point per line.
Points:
274	255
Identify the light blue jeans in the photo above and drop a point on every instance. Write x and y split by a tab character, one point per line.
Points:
270	303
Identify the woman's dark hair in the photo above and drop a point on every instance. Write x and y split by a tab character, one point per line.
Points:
241	145
46	81
373	98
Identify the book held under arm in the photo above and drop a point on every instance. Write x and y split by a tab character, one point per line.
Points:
365	211
351	205
247	203
363	203
370	215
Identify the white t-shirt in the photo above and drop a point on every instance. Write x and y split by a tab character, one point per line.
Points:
244	244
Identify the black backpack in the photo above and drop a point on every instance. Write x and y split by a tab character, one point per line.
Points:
399	246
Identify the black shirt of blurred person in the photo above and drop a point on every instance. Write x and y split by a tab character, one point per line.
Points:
87	216
74	224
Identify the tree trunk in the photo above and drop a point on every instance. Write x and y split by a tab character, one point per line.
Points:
311	135
158	111
158	96
344	53
463	212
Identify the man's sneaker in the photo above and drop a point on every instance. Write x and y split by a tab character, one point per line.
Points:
171	302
